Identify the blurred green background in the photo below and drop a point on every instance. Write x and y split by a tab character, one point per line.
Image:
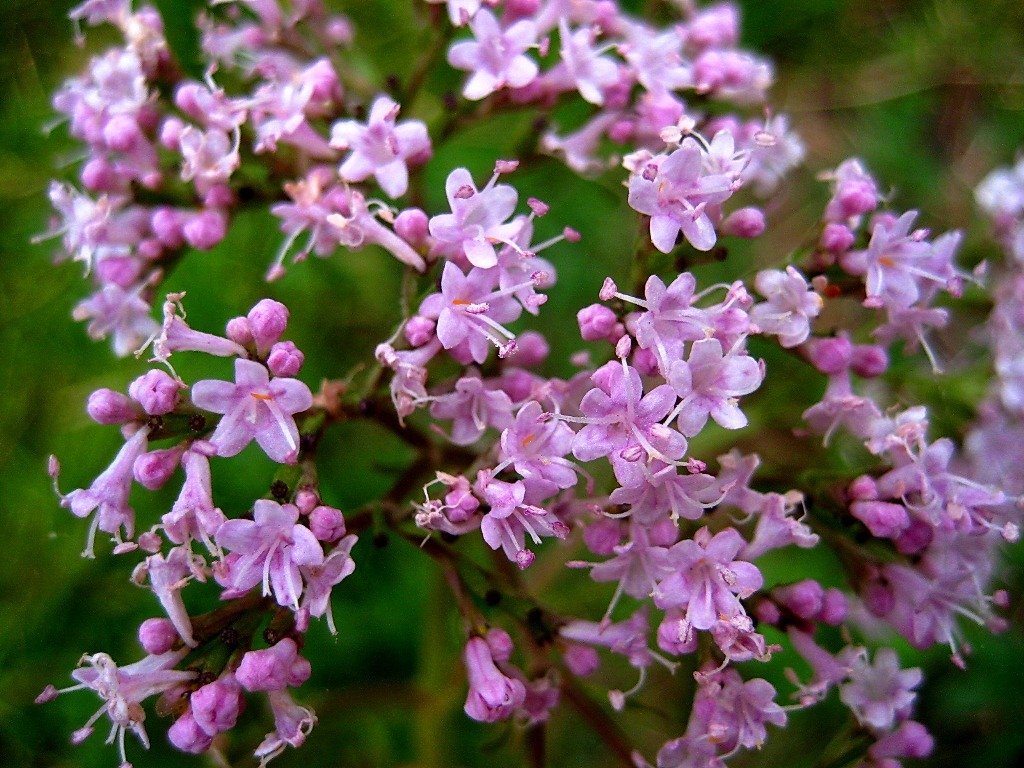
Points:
929	93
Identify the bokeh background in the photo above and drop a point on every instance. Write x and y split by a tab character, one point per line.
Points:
929	93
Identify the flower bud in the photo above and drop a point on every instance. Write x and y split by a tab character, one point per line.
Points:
500	643
157	635
833	607
412	226
239	331
216	706
492	695
121	133
582	660
155	468
285	359
533	349
186	735
884	519
745	222
166	224
803	598
327	523
274	668
836	238
267	320
869	360
830	356
596	322
419	330
156	391
106	406
204	230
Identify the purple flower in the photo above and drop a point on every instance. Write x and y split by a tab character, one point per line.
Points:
536	448
790	306
880	695
269	548
511	518
255	407
473	408
496	58
477	220
292	724
381	148
710	383
708	579
674	191
320	579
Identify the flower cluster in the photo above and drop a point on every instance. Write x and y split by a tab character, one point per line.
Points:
613	458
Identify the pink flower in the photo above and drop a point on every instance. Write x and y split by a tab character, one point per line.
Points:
255	407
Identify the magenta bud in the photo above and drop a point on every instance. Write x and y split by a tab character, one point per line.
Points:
285	359
204	230
186	98
622	131
150	249
533	349
803	598
412	226
911	739
869	360
186	735
830	356
767	612
836	238
106	406
327	523
157	635
49	693
884	519
419	330
219	196
267	320
166	224
833	607
745	222
170	133
306	500
238	331
582	660
517	9
156	392
121	133
863	488
155	468
675	636
274	668
500	643
596	322
216	706
855	198
492	695
99	176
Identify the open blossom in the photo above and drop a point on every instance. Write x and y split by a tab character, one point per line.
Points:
492	695
880	694
496	58
269	548
382	148
478	218
675	192
257	408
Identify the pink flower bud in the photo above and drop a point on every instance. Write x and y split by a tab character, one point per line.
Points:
239	331
878	598
596	322
915	538
412	226
533	349
327	523
883	519
833	608
745	222
836	238
500	643
285	359
274	668
219	196
170	133
106	406
830	356
803	598
216	706
156	391
122	134
157	635
863	488
166	224
911	739
99	176
869	360
267	320
186	735
419	330
155	468
204	230
306	500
